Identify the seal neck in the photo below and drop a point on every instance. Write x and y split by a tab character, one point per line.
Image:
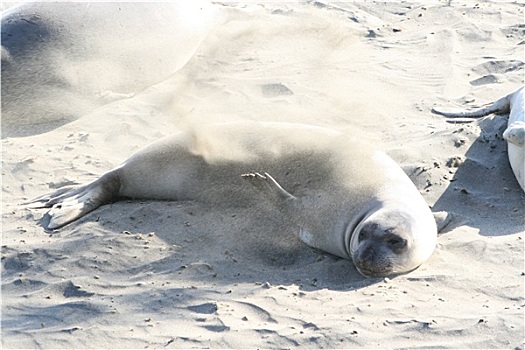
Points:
353	227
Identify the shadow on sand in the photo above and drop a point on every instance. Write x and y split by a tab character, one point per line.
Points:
484	190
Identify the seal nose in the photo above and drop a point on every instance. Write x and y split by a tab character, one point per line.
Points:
368	255
369	264
366	259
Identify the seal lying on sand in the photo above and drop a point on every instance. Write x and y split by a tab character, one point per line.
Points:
515	132
348	199
62	59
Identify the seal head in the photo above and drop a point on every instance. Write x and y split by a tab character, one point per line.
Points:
384	244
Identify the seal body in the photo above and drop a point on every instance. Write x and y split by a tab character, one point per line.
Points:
62	59
515	132
346	198
515	136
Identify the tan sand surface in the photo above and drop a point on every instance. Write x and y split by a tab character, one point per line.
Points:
152	274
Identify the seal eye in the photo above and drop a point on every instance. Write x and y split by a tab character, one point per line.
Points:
394	241
397	243
363	235
367	231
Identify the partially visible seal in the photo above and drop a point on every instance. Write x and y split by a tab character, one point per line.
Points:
515	132
348	199
60	60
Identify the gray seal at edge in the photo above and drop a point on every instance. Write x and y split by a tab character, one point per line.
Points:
348	200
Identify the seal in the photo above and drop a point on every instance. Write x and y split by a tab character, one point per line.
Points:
60	60
515	132
348	199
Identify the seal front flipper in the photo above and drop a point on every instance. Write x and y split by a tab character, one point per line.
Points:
271	188
70	203
515	133
443	219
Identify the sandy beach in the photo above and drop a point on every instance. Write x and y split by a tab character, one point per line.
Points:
167	274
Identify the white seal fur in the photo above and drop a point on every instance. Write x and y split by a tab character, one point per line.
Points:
348	199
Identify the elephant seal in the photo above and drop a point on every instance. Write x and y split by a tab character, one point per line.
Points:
348	199
515	132
61	60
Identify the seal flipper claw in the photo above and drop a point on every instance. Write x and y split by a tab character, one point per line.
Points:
267	184
48	200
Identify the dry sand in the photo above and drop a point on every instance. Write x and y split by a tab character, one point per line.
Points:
189	275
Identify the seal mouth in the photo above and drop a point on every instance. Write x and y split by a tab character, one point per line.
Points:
373	262
381	271
371	271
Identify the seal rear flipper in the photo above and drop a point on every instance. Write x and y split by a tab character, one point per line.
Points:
64	213
500	106
70	203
